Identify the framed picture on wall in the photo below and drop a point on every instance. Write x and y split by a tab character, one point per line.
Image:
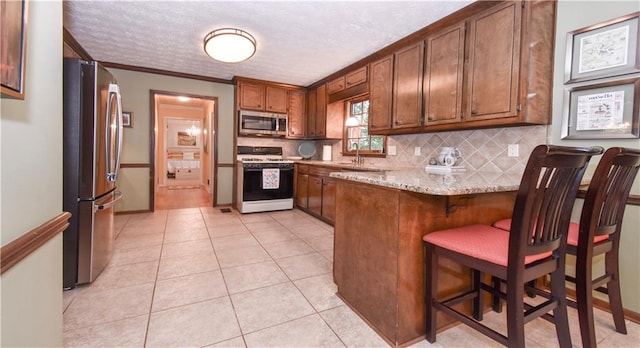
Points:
13	29
606	110
603	50
127	119
186	139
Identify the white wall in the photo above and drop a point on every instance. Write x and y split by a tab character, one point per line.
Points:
135	88
31	186
574	15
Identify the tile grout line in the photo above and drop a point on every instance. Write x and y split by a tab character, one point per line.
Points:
153	292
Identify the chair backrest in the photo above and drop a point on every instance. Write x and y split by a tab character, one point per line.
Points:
545	199
606	197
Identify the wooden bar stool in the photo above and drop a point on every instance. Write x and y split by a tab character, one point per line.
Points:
543	205
599	233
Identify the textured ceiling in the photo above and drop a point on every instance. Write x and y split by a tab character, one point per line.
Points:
299	42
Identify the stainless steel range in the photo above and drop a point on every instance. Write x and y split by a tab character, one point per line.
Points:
265	179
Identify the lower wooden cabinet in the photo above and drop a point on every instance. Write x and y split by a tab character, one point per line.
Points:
316	191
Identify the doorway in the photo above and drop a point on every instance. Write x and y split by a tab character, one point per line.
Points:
183	150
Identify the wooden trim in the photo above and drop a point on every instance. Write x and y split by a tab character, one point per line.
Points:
237	79
18	249
127	212
75	45
135	165
604	305
165	72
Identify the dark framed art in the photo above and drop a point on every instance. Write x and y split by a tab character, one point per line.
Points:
127	119
603	50
607	110
13	30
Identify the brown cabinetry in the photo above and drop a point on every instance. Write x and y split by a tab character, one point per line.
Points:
296	126
396	90
317	112
276	100
378	252
444	63
494	61
407	87
316	191
347	81
261	97
380	94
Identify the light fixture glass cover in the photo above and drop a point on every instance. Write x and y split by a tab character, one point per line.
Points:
352	122
229	45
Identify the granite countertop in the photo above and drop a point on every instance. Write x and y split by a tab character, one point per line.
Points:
344	165
421	181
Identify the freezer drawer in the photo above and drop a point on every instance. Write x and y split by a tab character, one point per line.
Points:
96	236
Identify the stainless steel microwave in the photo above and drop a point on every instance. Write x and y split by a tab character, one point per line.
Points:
261	123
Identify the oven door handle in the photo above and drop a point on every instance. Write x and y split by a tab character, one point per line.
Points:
285	169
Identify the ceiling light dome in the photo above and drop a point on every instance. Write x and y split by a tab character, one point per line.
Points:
229	45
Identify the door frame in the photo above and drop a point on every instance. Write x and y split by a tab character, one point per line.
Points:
212	141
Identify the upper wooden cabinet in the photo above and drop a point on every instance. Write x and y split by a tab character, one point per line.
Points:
444	72
395	97
492	67
491	85
347	81
317	112
276	100
296	124
407	87
380	94
261	97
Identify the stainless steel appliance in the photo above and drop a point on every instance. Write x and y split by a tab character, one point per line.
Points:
92	144
265	180
261	123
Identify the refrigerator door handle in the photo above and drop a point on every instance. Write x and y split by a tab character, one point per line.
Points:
118	196
112	172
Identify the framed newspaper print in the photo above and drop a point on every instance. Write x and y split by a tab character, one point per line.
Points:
603	50
606	110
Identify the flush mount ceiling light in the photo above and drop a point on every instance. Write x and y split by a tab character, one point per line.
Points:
229	45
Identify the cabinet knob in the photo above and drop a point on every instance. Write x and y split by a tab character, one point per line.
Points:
474	112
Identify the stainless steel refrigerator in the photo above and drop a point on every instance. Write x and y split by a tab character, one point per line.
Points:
92	141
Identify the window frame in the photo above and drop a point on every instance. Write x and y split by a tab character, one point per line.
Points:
345	134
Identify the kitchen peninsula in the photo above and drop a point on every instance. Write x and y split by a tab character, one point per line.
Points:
378	254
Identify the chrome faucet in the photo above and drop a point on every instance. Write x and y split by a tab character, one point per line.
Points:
357	159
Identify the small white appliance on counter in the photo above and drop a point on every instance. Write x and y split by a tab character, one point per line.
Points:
326	153
265	180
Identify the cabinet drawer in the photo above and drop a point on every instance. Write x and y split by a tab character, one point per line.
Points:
302	168
336	85
187	173
322	171
356	77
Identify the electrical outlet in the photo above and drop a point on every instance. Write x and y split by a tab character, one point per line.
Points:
417	150
392	150
513	150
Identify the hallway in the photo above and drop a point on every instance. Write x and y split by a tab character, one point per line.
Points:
182	197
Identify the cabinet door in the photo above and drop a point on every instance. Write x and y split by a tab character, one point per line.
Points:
315	195
443	76
494	57
311	113
321	111
276	100
295	123
355	77
407	87
380	94
302	190
336	85
329	199
252	96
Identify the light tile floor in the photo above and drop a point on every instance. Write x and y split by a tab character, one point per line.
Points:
200	277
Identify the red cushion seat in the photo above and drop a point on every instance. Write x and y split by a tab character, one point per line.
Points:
479	241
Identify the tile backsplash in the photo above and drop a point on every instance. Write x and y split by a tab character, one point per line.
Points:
482	149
